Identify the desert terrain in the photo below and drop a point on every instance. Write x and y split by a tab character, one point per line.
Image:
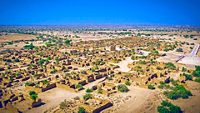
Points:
128	70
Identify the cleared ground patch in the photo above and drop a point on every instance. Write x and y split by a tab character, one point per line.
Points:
16	37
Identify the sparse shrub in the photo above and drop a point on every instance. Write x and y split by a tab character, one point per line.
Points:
41	61
57	60
49	44
187	76
170	65
63	105
128	75
53	71
152	61
128	83
10	43
45	82
28	83
94	68
179	50
81	110
178	92
184	69
79	86
88	90
163	85
197	79
159	68
8	60
166	50
99	62
138	68
40	37
150	86
154	52
17	60
33	95
122	88
67	42
133	57
100	90
196	72
109	78
142	62
30	46
174	82
87	96
143	57
167	107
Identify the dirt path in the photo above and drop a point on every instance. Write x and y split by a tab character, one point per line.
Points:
138	97
192	58
124	65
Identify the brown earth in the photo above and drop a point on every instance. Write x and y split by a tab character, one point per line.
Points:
15	37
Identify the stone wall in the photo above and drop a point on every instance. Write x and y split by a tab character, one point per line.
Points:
51	86
103	107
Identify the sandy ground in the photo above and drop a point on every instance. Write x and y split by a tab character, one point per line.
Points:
192	104
15	37
141	100
188	40
146	101
124	65
54	97
190	60
138	98
22	44
170	57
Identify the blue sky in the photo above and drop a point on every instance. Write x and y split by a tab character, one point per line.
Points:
167	12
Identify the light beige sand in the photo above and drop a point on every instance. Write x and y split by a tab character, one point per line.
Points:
140	100
54	97
124	65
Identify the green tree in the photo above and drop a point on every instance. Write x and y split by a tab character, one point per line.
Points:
81	110
187	76
88	90
41	62
67	42
33	95
196	72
